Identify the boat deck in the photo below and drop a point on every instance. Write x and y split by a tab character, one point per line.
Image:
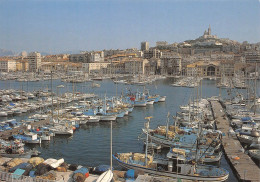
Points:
244	168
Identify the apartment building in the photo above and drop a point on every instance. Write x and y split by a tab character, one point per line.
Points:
252	56
87	57
7	65
94	67
22	65
144	46
152	53
34	60
170	63
227	68
135	66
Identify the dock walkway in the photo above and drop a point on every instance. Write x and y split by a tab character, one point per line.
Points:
245	169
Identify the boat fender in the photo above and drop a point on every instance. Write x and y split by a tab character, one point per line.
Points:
237	158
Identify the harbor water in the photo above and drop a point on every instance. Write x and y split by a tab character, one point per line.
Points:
90	145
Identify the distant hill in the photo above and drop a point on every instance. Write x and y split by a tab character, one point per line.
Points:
71	52
4	52
45	53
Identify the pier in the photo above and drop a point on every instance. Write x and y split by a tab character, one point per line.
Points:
244	168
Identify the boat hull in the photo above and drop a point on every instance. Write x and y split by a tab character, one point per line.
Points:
150	102
26	155
107	118
162	99
106	176
255	154
170	174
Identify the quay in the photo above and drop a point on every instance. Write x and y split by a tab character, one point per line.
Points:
244	168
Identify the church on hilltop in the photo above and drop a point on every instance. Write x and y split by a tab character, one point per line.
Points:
207	35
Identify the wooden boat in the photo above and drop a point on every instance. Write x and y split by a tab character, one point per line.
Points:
248	139
106	176
255	153
28	138
14	149
173	168
181	141
26	154
204	156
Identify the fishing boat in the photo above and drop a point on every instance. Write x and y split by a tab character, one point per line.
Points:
150	102
248	139
139	103
14	149
93	119
172	166
138	100
62	130
106	117
255	153
13	154
187	141
204	156
3	114
29	138
44	133
162	99
255	145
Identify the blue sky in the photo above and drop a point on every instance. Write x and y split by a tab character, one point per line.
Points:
61	25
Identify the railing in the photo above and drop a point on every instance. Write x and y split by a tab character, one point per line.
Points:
9	177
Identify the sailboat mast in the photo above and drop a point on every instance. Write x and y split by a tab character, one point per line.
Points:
197	144
201	88
167	124
51	100
255	90
146	144
189	111
111	140
116	86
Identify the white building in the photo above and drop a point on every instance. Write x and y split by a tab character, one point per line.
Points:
161	43
7	65
87	57
34	60
97	56
93	67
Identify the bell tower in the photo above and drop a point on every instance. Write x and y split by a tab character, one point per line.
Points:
209	30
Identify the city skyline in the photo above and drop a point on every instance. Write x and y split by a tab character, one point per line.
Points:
58	26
